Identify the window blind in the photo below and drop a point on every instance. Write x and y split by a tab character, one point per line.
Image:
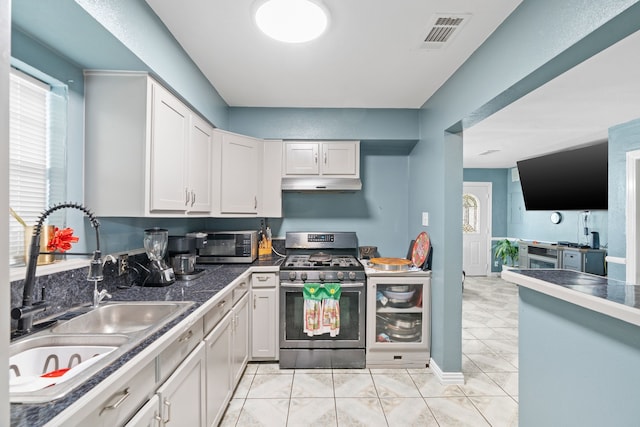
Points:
28	156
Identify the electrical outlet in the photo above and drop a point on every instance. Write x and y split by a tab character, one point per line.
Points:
425	219
123	264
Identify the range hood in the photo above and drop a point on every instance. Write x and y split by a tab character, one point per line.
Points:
320	184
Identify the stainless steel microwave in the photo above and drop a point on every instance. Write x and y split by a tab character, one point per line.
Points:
229	247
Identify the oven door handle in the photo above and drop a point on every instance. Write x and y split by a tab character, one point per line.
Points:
342	285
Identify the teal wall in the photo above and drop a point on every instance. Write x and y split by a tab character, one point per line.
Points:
511	219
499	179
577	368
537	225
397	127
622	138
119	35
540	40
378	213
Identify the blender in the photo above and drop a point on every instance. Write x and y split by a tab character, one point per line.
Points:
155	243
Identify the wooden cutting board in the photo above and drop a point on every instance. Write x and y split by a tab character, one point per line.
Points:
390	264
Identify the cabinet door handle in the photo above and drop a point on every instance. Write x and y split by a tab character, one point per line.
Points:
325	157
255	202
168	405
186	196
193	198
125	395
315	158
187	337
254	302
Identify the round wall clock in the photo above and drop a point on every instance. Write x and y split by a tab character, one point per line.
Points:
556	217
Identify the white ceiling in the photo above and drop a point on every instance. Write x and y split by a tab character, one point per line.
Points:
373	56
576	108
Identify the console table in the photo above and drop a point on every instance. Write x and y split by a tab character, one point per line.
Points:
542	255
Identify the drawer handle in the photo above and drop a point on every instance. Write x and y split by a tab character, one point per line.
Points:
125	395
222	303
263	278
168	405
186	337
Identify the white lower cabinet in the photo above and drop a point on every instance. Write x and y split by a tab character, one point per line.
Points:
239	339
182	396
148	415
189	382
125	397
218	351
264	316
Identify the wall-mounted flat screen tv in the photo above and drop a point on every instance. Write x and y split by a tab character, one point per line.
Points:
568	180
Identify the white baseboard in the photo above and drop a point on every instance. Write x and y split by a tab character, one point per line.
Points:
446	378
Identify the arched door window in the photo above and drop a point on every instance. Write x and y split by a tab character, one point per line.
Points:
470	214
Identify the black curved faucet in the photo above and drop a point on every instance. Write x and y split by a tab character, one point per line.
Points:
24	315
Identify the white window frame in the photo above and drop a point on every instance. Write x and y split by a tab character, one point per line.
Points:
37	172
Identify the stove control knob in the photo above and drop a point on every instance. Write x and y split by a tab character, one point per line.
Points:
352	275
340	275
292	275
321	275
303	276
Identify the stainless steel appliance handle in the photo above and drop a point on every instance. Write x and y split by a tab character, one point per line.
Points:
350	285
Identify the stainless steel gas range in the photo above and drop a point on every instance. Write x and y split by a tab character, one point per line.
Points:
322	260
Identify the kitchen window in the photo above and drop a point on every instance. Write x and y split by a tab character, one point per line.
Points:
37	155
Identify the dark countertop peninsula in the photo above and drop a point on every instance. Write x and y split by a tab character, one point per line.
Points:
614	298
578	349
200	290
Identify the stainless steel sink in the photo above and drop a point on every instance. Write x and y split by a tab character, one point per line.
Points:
87	343
121	318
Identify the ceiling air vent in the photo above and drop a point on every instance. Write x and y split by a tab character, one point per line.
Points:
444	27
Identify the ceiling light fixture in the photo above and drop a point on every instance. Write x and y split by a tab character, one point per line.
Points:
292	21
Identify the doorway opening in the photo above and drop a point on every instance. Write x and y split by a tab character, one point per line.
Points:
633	222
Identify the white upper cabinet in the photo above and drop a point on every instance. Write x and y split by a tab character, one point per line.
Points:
200	149
246	176
237	164
146	153
341	158
322	158
169	141
301	158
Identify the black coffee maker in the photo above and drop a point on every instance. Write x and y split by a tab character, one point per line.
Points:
183	252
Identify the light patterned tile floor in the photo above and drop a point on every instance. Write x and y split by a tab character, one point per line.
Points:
268	396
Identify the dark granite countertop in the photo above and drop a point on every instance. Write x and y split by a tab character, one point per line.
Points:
199	290
614	298
598	286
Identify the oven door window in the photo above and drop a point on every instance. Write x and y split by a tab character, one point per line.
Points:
349	317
